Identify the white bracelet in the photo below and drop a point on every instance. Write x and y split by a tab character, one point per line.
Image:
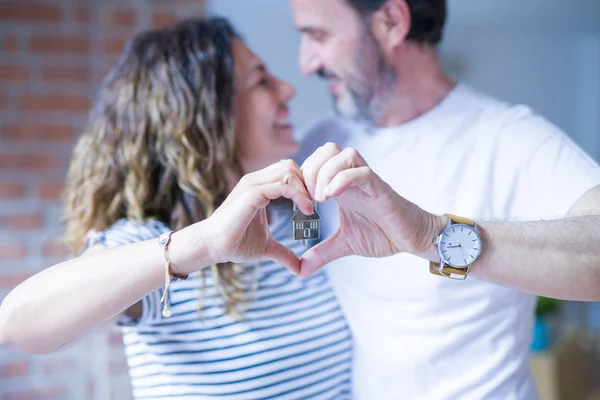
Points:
164	240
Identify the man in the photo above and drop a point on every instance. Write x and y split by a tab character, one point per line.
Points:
425	147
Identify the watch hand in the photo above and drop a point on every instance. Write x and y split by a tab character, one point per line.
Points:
463	254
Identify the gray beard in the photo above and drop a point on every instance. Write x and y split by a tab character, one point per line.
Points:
369	109
359	108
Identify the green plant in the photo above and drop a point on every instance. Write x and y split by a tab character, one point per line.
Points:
546	306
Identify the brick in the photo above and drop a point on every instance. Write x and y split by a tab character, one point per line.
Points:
164	18
11	190
114	45
83	15
55	250
122	18
50	393
29	132
12	252
10	43
15	370
50	191
109	62
13	73
22	221
30	12
11	281
54	103
3	102
66	74
29	161
59	44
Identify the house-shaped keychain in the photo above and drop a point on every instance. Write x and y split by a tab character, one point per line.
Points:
306	227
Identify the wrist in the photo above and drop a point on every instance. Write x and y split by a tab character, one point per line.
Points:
189	251
434	226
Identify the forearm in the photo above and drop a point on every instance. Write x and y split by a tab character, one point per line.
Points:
558	258
64	302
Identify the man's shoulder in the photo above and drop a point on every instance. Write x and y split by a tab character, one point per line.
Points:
522	125
511	122
491	109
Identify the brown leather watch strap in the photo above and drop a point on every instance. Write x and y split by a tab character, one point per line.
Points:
434	268
460	220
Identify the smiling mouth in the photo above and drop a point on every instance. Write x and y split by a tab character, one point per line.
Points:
283	124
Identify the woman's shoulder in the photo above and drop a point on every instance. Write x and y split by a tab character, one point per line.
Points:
126	231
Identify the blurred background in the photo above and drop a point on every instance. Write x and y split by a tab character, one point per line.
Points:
54	53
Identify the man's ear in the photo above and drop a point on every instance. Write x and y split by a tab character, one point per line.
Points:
391	24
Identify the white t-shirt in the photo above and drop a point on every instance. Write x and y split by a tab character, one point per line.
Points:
419	336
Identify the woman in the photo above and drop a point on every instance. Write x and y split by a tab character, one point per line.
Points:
184	113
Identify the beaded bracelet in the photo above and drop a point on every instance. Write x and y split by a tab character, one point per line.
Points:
164	240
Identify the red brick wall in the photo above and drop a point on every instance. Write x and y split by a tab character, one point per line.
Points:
53	54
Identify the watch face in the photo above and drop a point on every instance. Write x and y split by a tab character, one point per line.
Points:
460	245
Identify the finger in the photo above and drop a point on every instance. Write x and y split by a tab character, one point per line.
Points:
297	185
286	172
362	177
346	160
272	173
311	166
283	256
259	196
322	254
289	173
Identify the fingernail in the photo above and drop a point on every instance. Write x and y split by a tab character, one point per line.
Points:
311	193
328	191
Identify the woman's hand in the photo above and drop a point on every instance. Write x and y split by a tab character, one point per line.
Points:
238	230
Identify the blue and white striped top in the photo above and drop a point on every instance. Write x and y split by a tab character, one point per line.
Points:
290	342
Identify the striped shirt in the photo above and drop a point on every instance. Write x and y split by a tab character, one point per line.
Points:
290	341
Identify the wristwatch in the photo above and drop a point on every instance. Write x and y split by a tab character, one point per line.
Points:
458	246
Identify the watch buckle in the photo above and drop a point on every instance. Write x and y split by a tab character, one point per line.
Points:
438	269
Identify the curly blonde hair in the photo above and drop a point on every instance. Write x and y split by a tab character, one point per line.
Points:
160	138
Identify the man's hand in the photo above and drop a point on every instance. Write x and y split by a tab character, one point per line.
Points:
374	220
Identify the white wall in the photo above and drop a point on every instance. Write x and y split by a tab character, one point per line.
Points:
507	15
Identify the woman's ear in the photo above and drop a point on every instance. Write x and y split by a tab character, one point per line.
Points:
391	25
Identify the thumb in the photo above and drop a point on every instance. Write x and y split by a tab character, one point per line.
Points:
283	256
322	254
